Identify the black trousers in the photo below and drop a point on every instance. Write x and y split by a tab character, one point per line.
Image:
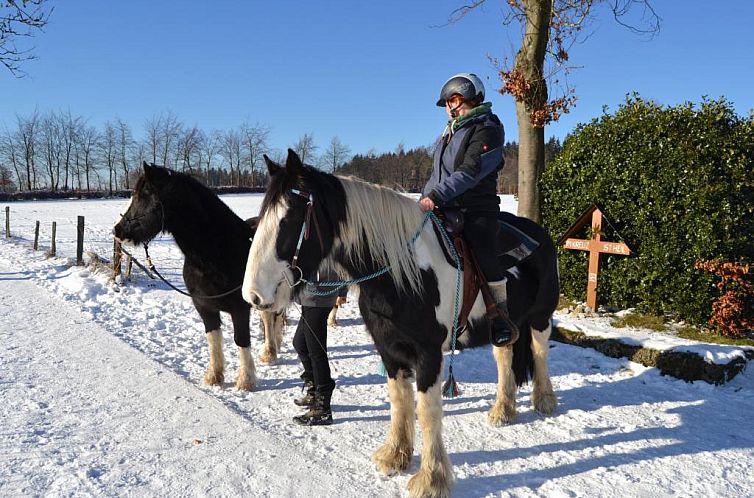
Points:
310	342
482	232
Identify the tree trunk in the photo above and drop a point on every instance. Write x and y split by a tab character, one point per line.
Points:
530	62
531	160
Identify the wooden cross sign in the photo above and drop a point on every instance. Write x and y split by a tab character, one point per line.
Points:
595	246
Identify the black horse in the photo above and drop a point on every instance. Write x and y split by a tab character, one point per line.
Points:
215	243
310	218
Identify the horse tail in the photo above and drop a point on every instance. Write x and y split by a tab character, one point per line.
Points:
523	359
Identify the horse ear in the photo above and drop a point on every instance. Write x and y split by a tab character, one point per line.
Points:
272	166
293	164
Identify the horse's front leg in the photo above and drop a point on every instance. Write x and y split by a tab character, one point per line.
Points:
215	375
542	396
395	455
435	476
272	324
246	379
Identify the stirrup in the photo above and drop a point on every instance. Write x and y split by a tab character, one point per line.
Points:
512	329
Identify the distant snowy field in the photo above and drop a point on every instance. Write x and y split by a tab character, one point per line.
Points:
101	394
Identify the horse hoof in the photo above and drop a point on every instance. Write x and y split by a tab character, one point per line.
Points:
214	378
499	416
390	460
544	403
426	483
268	357
245	385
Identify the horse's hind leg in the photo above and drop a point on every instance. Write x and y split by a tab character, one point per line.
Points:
504	410
332	318
542	396
215	375
395	455
272	324
246	379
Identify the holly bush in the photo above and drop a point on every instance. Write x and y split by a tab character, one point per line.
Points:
675	183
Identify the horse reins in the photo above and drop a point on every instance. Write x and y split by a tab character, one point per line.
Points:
309	219
151	267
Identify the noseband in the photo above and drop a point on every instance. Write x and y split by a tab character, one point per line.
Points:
135	219
309	219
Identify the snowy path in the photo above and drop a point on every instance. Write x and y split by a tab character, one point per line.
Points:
84	413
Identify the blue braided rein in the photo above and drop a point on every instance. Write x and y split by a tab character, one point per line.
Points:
339	284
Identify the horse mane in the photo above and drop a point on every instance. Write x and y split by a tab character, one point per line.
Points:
177	184
381	224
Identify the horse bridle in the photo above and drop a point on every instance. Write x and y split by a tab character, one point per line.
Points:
310	218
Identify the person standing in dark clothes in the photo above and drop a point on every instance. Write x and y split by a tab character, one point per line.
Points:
465	167
310	343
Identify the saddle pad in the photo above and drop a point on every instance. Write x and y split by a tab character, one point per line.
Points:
515	245
514	242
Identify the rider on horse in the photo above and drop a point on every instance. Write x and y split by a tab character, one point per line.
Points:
465	167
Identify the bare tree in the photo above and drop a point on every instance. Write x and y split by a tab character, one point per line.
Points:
68	127
88	140
9	152
125	148
20	19
27	137
549	28
335	155
6	180
230	150
170	132
108	148
208	150
49	133
154	137
305	147
189	146
255	142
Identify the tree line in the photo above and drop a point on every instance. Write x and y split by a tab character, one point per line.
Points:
409	169
60	151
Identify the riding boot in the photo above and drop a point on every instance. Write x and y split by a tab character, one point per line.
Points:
503	331
307	399
320	412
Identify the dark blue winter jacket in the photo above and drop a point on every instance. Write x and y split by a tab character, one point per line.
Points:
466	164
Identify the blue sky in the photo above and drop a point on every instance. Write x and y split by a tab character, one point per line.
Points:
367	72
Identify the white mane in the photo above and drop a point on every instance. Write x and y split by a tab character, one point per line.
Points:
382	223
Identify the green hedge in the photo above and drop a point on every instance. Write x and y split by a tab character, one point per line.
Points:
677	184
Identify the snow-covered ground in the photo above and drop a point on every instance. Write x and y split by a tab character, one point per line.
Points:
101	394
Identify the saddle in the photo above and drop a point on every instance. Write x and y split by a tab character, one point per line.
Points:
516	246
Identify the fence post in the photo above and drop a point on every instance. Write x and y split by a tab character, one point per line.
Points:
129	266
117	255
36	235
80	241
7	222
52	243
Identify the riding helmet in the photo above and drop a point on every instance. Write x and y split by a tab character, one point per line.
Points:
467	85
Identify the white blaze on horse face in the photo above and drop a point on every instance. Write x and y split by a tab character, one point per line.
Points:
265	273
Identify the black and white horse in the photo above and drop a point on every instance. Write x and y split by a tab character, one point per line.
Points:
310	218
215	243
